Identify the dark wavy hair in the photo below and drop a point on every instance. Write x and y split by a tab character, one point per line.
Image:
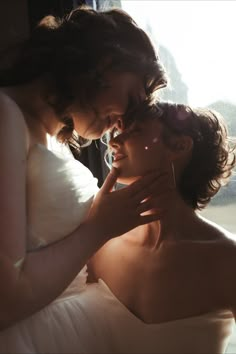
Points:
74	52
213	153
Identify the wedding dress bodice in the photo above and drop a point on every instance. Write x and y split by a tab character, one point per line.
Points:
60	191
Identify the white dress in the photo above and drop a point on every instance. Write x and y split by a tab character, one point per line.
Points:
88	318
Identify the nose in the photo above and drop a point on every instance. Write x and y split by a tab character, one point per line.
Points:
118	127
115	141
117	122
120	124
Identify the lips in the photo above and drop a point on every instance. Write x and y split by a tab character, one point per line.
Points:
117	157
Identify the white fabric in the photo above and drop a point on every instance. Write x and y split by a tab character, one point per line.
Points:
205	334
60	191
89	318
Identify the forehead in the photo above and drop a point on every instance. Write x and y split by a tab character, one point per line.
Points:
124	78
148	125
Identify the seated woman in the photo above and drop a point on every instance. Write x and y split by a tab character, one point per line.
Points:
175	279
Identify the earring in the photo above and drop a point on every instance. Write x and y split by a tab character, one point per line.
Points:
173	173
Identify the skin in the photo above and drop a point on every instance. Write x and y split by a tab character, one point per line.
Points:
134	150
26	119
178	270
109	106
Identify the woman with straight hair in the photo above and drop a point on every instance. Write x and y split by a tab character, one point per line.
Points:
72	80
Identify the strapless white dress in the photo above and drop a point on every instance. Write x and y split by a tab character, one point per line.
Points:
88	318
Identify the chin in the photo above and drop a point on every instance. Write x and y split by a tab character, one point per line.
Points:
127	180
92	136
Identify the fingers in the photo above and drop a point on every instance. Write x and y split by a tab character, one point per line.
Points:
149	205
156	187
146	219
110	181
143	183
144	206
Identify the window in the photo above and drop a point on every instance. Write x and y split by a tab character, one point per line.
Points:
195	41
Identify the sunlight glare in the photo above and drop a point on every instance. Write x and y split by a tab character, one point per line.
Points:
201	37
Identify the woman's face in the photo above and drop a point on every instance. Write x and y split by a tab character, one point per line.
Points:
109	106
139	149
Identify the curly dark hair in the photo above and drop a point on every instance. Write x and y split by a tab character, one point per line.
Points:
75	51
213	153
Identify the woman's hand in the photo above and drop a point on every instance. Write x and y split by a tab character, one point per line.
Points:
116	212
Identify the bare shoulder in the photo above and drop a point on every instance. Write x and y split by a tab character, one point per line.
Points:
8	106
211	244
222	257
13	163
104	262
12	122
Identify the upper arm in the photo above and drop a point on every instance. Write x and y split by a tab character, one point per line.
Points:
13	157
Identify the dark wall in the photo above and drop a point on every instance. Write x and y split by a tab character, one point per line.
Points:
14	24
17	17
40	8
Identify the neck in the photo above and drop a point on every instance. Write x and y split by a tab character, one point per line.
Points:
177	223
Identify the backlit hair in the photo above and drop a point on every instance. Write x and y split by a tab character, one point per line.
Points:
73	53
213	153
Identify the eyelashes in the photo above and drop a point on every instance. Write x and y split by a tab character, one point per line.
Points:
115	132
133	129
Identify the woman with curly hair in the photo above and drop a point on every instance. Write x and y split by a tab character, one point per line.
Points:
174	279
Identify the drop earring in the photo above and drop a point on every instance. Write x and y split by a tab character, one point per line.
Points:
173	173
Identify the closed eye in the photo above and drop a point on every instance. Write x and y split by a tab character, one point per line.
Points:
115	132
131	130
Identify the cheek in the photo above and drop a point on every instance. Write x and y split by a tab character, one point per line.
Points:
151	154
81	122
142	159
79	125
86	125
